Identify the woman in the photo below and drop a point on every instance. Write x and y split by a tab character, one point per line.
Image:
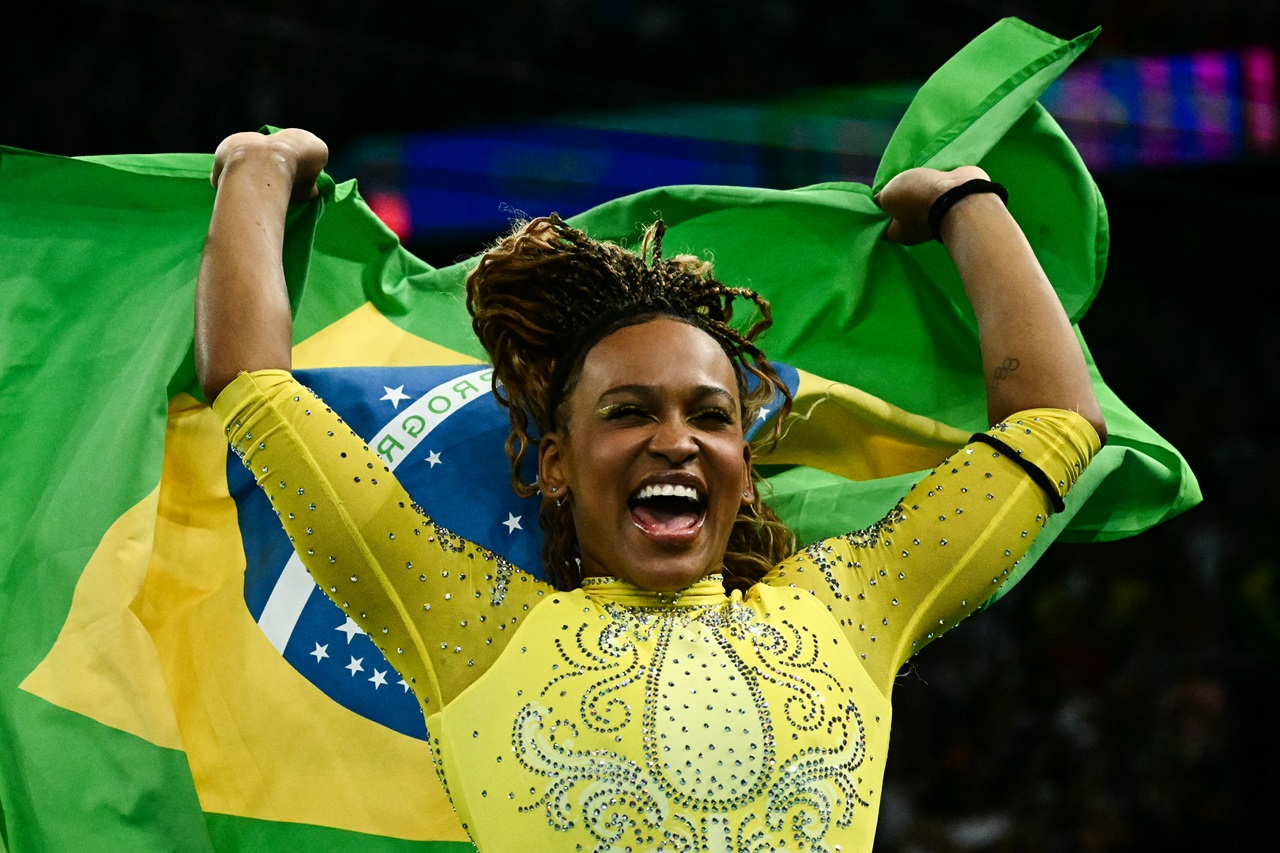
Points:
636	704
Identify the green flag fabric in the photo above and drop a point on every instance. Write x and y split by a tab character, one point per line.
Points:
141	707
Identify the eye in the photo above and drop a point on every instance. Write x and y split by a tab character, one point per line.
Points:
714	415
623	411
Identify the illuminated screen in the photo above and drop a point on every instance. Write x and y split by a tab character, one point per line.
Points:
1121	113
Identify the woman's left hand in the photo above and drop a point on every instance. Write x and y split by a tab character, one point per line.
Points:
908	196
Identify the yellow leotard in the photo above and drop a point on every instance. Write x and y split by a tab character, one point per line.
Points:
614	718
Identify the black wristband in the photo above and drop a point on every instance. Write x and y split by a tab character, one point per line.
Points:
947	200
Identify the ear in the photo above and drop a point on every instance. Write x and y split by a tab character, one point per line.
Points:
748	485
552	476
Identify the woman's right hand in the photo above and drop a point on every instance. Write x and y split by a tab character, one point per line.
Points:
243	316
301	152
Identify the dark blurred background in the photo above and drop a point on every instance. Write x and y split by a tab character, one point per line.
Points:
1124	696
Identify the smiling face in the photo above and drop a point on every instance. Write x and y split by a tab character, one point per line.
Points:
652	456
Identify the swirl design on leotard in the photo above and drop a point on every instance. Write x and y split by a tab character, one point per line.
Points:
724	696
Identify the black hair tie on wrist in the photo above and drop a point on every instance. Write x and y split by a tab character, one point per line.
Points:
948	199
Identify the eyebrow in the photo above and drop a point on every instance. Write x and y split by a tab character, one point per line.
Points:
702	392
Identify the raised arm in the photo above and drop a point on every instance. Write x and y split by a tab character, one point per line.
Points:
243	321
960	532
413	586
1030	355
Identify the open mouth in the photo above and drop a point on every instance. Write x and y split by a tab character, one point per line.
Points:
668	512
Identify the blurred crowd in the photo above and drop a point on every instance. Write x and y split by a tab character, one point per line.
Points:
1122	697
121	76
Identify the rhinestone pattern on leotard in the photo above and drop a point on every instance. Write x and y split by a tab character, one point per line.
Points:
699	726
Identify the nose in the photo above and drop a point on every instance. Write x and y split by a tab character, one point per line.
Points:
673	441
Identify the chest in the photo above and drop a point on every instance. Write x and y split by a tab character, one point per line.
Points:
628	725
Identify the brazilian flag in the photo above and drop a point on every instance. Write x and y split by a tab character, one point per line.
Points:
169	677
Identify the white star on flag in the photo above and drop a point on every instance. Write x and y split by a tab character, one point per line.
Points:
433	459
355	666
395	395
350	629
513	523
404	684
379	678
320	652
764	413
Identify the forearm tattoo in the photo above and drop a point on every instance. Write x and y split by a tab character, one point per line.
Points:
1002	372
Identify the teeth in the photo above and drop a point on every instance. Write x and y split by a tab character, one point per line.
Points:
667	491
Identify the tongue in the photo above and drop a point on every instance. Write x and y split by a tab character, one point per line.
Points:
658	519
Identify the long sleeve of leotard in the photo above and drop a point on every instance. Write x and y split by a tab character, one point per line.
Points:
949	543
439	607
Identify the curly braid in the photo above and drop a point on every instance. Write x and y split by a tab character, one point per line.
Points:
543	295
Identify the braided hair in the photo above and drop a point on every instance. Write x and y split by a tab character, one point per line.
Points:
542	296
